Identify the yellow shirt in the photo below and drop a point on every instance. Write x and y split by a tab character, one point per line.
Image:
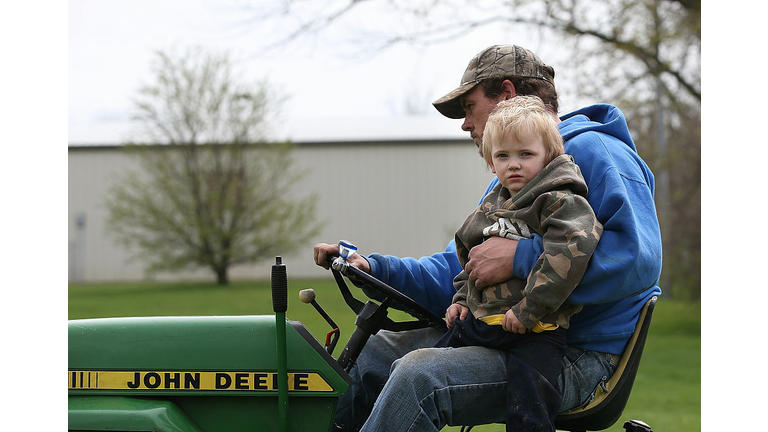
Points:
537	328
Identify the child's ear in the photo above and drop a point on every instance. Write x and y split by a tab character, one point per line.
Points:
493	169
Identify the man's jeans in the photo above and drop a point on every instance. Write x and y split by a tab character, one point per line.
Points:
428	388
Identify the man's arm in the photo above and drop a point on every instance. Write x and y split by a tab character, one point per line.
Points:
427	280
491	262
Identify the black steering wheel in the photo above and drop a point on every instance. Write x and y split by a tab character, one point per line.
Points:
372	317
391	297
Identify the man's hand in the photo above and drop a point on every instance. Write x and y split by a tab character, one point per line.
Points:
491	261
323	251
511	324
455	311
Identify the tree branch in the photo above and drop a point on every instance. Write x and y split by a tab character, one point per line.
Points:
310	26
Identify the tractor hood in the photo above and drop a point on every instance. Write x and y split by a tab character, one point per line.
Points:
232	355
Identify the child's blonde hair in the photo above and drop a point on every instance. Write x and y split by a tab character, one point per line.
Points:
521	113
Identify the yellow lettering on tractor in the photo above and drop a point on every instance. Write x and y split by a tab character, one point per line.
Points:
170	380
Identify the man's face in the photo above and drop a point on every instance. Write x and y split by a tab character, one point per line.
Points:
477	107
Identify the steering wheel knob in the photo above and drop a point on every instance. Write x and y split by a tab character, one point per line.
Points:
346	249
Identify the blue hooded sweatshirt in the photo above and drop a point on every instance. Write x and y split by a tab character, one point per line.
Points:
625	268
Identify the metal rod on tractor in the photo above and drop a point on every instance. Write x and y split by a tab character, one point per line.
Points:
280	305
308	296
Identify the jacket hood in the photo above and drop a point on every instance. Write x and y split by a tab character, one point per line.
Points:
599	118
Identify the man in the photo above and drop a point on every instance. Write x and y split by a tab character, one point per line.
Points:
429	388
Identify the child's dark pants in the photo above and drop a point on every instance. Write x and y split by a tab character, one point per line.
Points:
534	363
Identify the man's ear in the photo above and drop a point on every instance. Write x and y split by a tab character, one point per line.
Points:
508	89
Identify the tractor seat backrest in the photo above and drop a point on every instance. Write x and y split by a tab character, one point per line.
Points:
608	405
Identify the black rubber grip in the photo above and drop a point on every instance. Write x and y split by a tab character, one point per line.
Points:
279	286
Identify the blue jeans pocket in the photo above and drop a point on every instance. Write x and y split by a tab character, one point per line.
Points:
583	373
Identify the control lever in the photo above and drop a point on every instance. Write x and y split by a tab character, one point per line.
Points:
308	296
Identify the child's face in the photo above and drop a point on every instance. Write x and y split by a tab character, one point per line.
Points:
515	162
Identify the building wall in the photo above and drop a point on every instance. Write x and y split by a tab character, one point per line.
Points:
400	198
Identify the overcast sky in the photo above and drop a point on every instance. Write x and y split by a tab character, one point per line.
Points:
111	44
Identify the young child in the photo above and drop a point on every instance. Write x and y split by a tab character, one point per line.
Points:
541	192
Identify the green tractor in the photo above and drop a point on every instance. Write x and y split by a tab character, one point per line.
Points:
222	373
262	373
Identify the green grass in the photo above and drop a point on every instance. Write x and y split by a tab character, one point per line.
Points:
666	394
201	298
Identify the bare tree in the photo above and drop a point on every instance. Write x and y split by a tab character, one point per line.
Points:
210	192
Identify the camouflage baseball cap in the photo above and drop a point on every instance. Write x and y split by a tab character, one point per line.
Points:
497	61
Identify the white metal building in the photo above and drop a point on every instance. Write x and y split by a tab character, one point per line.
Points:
401	189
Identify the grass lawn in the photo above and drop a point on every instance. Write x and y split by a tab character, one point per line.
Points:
666	394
